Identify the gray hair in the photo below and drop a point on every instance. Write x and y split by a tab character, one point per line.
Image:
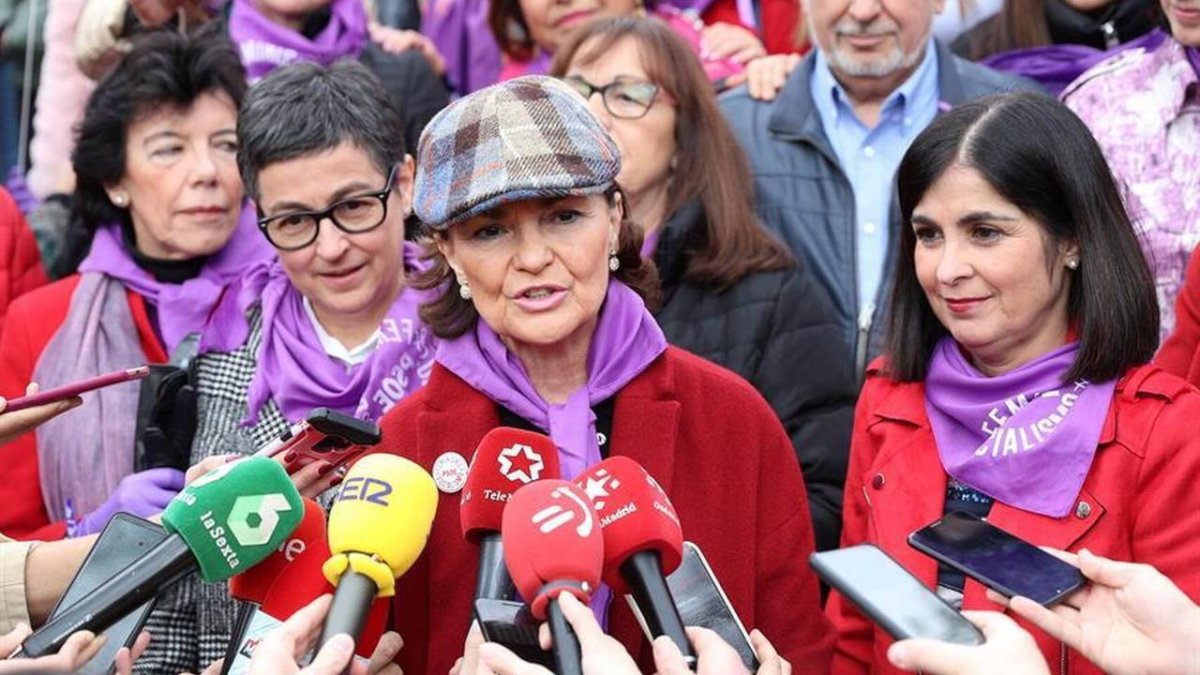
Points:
304	108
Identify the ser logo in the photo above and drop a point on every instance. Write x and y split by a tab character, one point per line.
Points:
363	488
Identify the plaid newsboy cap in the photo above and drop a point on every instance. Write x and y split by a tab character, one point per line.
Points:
527	138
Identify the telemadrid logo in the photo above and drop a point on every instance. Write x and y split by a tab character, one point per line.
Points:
521	463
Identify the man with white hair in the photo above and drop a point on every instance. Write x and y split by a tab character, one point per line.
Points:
825	152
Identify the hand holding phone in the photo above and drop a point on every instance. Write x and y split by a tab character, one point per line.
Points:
323	436
76	388
997	559
891	596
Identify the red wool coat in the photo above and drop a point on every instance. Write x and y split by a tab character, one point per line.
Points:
20	262
33	319
1180	354
711	442
1139	501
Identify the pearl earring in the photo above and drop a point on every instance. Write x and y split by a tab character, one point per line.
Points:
614	263
464	291
120	200
1073	263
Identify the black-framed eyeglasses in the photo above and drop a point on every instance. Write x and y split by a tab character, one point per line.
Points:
358	213
624	98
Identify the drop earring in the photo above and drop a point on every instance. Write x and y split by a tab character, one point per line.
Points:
464	291
614	263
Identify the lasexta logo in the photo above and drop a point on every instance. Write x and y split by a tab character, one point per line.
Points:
253	518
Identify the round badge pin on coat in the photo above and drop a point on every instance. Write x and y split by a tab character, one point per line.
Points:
450	472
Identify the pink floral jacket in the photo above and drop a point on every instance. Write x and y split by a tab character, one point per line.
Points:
1143	106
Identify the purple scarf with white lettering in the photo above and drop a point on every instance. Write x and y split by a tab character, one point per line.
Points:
293	368
1024	438
265	45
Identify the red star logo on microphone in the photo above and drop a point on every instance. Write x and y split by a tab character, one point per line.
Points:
520	464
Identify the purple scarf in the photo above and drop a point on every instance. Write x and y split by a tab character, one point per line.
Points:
1022	438
1193	55
459	29
265	45
181	308
99	336
627	340
293	368
1057	66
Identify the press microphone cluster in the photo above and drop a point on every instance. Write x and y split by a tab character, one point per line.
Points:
222	524
614	524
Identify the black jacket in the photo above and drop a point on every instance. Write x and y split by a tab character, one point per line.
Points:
777	330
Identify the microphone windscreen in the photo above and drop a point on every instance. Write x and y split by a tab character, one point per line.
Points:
635	515
552	542
253	584
385	509
303	581
506	460
234	516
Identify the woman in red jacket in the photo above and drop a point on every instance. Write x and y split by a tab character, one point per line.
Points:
161	202
542	312
1015	386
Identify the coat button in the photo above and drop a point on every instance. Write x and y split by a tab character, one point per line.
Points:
1083	510
877	481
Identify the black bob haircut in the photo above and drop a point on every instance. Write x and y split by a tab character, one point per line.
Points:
164	70
1039	156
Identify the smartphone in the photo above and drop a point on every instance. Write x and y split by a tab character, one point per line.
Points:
891	596
76	388
510	624
702	602
997	559
323	436
125	539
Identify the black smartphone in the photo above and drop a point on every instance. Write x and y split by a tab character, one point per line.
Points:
997	559
510	624
125	539
702	602
891	596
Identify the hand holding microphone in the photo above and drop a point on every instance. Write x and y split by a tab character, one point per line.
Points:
506	460
553	515
223	523
378	526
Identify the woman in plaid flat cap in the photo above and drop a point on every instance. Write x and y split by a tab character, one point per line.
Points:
544	324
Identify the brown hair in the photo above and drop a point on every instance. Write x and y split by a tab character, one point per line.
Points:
710	165
449	316
507	22
1020	24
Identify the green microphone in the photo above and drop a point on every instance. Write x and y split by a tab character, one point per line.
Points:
224	523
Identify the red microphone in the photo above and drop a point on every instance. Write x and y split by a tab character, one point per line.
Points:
506	460
553	544
251	586
643	542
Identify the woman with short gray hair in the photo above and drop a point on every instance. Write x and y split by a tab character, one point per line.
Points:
331	322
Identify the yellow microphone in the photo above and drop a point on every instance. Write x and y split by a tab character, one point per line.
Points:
378	527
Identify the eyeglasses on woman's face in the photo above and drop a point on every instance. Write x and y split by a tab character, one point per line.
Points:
352	215
624	98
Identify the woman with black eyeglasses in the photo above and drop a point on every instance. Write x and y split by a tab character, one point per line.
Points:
332	322
731	293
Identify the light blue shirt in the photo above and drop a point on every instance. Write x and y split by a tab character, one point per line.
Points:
870	157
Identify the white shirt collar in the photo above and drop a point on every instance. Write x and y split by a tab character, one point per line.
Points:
336	349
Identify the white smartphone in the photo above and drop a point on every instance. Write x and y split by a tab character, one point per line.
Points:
702	602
